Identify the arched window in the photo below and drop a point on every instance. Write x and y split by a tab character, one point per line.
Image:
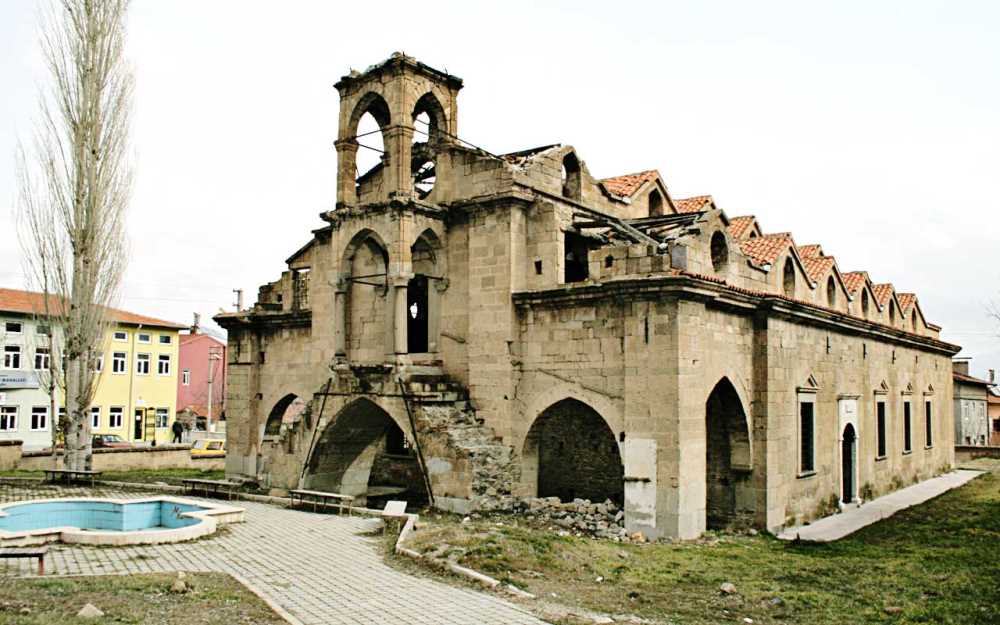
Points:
720	251
913	320
864	303
892	312
788	280
571	177
655	203
831	292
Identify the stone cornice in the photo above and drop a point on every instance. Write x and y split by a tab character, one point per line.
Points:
255	320
689	287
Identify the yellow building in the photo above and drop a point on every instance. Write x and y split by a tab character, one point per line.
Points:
136	396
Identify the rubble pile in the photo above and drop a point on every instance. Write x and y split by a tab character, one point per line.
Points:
601	520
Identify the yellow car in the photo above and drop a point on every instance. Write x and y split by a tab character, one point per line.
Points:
208	448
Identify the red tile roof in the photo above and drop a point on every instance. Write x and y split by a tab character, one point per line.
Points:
906	301
883	293
961	377
741	227
854	280
766	249
808	251
693	204
30	303
627	184
817	266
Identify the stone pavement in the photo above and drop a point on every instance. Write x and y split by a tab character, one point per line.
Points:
322	569
851	520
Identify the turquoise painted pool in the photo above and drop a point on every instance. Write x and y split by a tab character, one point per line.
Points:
103	516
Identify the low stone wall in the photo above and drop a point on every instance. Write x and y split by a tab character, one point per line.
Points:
136	458
10	455
965	453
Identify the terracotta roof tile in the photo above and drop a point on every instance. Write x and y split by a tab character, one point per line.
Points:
692	204
854	280
961	377
626	185
906	301
883	293
817	266
29	303
766	249
741	227
808	251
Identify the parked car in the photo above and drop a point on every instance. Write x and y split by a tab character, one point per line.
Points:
208	448
109	440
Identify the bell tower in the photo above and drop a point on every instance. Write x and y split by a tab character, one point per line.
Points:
396	93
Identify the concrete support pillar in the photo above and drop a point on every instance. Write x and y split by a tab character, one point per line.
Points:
340	316
347	158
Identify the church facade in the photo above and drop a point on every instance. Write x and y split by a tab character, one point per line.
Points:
468	329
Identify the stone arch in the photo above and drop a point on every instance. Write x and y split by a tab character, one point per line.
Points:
372	104
424	293
363	448
571	452
831	292
729	495
719	250
864	302
572	179
288	406
788	277
364	273
437	121
655	203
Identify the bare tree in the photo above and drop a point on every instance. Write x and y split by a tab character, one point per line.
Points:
74	188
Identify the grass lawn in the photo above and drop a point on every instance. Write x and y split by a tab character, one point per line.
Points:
145	476
938	562
215	599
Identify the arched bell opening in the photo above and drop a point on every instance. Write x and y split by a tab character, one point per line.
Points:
366	137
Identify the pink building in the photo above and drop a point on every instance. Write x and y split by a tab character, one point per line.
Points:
202	366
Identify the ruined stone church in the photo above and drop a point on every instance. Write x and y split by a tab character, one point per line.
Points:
469	328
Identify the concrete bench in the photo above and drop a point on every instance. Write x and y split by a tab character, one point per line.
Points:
27	552
69	475
211	487
318	498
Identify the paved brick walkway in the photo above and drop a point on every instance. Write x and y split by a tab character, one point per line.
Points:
321	569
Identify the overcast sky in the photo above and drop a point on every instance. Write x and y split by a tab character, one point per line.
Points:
872	128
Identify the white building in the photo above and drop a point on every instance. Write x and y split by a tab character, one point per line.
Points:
24	381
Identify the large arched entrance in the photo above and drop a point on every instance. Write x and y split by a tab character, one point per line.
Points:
574	454
728	492
364	453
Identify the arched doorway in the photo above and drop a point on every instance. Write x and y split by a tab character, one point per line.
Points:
417	302
364	453
285	410
848	461
729	497
574	454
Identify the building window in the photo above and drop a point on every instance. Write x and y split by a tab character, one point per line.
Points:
655	203
186	377
62	415
8	418
13	327
12	357
928	424
42	330
121	336
143	337
119	362
42	359
831	293
165	339
162	417
788	279
142	364
807	456
115	416
907	428
163	364
880	426
864	302
95	417
720	251
39	418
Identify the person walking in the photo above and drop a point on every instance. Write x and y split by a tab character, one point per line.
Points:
178	429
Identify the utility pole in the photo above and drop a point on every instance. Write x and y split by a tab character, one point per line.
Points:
239	299
213	356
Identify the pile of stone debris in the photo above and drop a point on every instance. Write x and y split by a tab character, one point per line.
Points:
601	520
